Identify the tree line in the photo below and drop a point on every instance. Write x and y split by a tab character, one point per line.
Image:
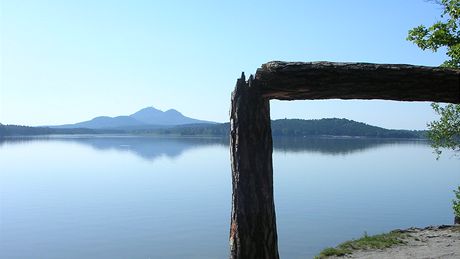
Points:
280	128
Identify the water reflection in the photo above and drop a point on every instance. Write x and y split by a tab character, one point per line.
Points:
151	148
336	146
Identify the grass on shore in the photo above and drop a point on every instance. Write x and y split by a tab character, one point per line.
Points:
364	243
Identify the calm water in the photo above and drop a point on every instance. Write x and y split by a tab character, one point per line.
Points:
138	197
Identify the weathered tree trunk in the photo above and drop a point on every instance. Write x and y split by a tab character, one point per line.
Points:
253	222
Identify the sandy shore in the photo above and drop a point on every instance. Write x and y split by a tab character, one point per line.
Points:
431	242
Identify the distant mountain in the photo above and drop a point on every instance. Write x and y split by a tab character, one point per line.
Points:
103	122
148	117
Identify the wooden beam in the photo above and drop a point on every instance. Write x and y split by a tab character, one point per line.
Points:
330	80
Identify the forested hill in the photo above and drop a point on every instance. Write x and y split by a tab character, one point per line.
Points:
300	128
336	127
280	128
15	130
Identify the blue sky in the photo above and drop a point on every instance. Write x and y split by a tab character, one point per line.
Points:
68	61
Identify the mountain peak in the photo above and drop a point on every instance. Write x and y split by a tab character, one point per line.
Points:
173	111
149	109
152	116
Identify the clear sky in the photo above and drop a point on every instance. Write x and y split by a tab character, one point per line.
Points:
69	61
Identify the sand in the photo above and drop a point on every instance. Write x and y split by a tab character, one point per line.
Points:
430	242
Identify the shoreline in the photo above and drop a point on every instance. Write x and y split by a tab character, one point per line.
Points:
430	242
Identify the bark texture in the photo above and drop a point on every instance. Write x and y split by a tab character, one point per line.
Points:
329	80
253	221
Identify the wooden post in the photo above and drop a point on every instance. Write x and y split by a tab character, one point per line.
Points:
253	222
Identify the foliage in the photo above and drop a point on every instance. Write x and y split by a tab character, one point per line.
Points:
366	242
456	202
445	133
330	251
443	34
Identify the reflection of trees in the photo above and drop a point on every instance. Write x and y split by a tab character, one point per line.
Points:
148	148
151	148
335	146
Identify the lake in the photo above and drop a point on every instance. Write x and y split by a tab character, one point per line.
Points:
151	197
